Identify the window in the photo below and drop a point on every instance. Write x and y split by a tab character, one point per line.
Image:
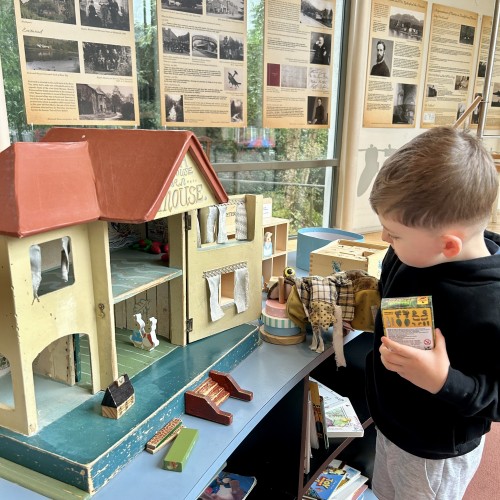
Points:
296	167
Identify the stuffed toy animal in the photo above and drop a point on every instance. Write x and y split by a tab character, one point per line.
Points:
348	298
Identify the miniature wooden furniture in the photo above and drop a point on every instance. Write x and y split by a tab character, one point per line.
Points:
273	264
205	400
118	398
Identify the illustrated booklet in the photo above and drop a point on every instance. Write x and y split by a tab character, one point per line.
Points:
340	417
229	485
332	481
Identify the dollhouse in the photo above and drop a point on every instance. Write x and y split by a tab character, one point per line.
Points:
61	281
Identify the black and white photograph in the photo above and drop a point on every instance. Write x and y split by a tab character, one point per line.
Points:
109	14
381	57
495	96
236	110
188	6
461	82
174	107
293	77
105	59
49	10
320	48
405	97
407	24
231	47
317	110
317	13
175	41
233	10
50	54
234	78
432	90
467	34
204	45
105	102
481	69
476	110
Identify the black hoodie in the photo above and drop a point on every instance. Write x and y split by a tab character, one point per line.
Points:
466	303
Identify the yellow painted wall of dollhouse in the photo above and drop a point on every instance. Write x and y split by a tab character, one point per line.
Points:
29	326
103	305
178	286
211	257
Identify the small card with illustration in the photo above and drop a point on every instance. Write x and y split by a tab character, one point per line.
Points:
409	320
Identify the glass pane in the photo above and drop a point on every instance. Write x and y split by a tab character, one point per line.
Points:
298	195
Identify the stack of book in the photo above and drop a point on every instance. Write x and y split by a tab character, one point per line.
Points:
338	481
334	414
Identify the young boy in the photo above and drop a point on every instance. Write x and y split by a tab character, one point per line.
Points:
434	197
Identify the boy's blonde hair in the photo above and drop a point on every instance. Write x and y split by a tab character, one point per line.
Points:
441	177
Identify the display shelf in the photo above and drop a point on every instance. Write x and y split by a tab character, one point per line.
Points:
274	264
270	427
133	272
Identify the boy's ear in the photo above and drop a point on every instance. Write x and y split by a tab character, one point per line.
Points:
451	245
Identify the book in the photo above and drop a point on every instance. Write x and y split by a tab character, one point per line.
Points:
332	481
311	424
342	421
360	491
229	485
311	436
331	398
351	489
318	414
339	415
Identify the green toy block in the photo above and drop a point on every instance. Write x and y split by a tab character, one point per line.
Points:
176	457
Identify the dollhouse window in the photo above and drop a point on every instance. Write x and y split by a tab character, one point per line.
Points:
6	394
51	266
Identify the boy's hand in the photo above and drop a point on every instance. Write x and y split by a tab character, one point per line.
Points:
426	369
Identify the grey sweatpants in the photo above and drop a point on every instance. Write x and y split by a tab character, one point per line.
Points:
398	475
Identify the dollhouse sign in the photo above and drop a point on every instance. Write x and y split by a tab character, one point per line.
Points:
186	191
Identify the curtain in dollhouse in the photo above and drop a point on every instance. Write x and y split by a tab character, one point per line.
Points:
215	226
241	221
241	289
213	280
222	233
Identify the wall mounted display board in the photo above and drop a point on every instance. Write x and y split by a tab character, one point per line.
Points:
78	62
298	51
394	63
203	63
492	118
453	38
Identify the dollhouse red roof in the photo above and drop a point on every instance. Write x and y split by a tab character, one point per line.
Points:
46	186
78	175
135	168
